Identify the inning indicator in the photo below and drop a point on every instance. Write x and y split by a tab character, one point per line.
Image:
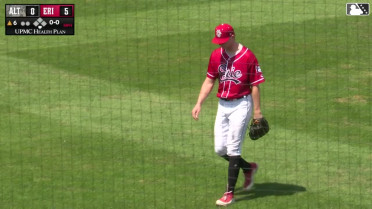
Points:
39	19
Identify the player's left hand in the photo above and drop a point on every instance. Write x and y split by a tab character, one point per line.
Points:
257	115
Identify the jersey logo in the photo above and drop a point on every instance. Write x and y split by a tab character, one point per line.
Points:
227	74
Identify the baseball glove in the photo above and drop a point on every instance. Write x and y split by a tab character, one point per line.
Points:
258	128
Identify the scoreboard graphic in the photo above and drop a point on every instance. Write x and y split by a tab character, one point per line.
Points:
39	19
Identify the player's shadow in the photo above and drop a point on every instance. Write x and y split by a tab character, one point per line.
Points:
269	189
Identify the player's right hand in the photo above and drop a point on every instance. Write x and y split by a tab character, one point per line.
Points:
195	112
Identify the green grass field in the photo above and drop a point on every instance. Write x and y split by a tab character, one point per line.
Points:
102	119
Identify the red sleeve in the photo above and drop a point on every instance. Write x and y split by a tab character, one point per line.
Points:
254	73
212	72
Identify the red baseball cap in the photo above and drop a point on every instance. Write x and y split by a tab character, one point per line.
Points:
223	33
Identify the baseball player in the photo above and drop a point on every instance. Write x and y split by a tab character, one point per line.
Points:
239	76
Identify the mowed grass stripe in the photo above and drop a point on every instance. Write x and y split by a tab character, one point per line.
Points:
61	166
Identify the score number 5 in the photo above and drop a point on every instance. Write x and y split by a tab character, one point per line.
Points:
65	11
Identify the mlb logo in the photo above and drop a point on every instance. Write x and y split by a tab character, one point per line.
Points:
357	9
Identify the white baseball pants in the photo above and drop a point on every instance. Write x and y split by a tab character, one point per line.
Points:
231	125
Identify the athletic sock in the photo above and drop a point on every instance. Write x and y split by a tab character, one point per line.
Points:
244	165
233	172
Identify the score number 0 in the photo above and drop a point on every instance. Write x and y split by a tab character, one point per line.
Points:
32	11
